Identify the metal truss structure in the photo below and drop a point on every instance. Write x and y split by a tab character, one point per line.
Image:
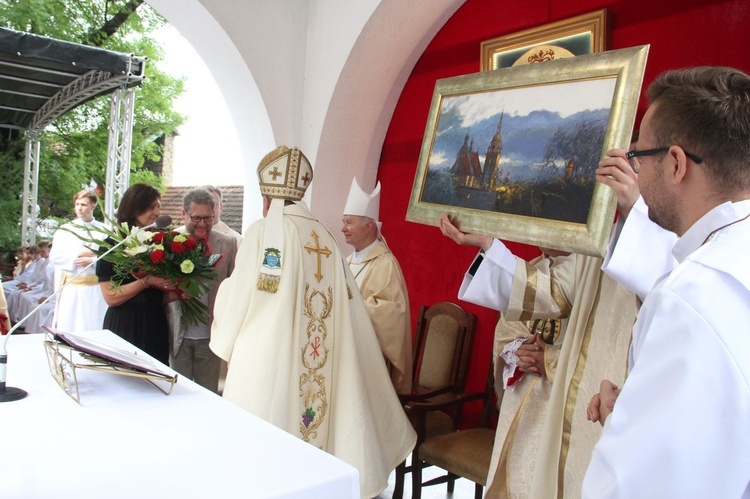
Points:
30	190
40	80
118	152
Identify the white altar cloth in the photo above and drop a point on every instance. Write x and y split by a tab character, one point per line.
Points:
128	439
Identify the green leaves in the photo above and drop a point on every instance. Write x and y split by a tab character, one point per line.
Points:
74	147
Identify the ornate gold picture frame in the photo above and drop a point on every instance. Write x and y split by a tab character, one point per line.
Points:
511	153
580	35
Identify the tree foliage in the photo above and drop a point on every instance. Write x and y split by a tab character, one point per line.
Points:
74	147
581	144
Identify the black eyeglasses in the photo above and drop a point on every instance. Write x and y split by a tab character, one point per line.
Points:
196	219
635	163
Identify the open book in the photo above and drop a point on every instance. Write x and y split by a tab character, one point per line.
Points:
110	354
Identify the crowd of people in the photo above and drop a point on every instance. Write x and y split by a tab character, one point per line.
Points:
623	376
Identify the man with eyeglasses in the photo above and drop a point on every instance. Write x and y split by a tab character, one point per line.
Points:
190	354
679	425
634	230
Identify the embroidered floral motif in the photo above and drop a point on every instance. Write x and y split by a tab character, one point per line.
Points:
317	308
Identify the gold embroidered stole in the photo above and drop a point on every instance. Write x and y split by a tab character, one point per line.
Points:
315	342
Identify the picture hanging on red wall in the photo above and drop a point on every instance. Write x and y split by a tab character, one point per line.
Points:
580	35
512	153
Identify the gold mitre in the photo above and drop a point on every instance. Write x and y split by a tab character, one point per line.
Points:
284	174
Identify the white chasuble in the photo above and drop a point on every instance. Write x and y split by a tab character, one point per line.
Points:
543	442
383	289
306	358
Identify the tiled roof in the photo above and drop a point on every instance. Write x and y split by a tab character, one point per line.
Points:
232	196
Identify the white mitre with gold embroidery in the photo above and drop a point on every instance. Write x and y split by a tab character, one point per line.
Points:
283	174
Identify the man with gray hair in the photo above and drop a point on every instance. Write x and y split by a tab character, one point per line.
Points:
678	427
190	354
381	283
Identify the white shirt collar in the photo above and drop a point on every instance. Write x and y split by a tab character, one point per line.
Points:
719	217
359	256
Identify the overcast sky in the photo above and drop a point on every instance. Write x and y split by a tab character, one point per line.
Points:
567	99
207	150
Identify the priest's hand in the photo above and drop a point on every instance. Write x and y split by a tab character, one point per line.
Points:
451	231
531	355
85	258
602	403
616	172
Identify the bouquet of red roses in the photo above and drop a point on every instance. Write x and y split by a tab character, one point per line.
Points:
187	262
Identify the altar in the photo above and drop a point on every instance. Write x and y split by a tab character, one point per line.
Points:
128	439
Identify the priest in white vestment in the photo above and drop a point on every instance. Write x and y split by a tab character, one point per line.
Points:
295	332
35	280
543	441
80	306
380	281
678	427
32	297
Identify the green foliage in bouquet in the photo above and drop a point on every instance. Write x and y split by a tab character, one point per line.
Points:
187	262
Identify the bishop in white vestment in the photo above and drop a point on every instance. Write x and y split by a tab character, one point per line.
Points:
381	283
294	330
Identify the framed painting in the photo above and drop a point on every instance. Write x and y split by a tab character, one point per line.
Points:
580	35
512	153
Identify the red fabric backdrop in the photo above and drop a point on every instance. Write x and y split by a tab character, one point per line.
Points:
681	33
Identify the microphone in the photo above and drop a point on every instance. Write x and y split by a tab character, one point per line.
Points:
161	222
9	394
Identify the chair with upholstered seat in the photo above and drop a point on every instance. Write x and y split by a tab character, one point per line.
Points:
463	453
443	343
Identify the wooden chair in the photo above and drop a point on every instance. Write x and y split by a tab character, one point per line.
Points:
443	342
463	453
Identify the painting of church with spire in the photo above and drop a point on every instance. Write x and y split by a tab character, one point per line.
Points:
539	164
467	171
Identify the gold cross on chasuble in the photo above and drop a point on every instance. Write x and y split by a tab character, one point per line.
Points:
320	251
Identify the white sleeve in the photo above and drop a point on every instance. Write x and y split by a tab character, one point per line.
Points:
679	426
639	252
65	249
490	284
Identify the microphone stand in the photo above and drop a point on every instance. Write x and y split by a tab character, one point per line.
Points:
9	393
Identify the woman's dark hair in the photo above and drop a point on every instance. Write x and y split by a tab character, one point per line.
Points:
136	200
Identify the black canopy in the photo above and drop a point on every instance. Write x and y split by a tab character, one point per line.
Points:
42	78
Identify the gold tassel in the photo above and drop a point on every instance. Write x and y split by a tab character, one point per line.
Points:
269	283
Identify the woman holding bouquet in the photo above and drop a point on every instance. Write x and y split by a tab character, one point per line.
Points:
136	308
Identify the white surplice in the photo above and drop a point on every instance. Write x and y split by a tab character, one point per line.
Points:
639	252
80	306
680	427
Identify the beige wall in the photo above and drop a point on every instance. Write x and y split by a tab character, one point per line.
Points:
321	74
